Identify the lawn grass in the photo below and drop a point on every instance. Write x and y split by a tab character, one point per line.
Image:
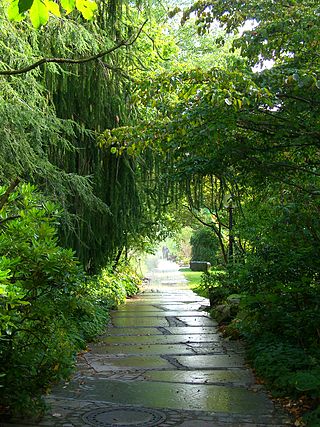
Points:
193	277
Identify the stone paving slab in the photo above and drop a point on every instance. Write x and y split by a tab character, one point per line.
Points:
145	349
215	361
165	299
161	361
116	331
140	321
161	339
131	308
109	350
125	363
227	399
196	321
212	349
144	306
180	313
185	330
184	307
235	377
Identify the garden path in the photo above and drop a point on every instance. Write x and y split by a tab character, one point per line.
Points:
162	362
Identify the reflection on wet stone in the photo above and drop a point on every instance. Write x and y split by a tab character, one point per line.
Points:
166	337
216	361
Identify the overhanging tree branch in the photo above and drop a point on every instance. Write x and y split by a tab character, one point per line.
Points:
42	61
156	48
215	229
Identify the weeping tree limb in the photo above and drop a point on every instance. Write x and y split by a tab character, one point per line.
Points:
217	216
105	67
122	43
116	262
4	198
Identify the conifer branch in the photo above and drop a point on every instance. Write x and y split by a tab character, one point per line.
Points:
4	198
42	61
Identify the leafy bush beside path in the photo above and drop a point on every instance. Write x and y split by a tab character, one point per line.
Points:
280	325
49	308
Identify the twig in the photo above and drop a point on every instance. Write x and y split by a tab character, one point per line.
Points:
155	47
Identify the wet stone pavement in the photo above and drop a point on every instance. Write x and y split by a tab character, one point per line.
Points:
161	362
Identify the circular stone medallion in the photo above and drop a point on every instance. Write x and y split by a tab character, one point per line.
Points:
125	417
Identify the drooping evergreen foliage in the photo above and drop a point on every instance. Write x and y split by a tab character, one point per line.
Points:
51	118
95	96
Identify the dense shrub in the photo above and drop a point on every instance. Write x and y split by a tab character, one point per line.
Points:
280	323
204	245
111	287
48	307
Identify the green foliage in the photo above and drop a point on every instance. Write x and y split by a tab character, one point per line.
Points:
36	142
213	285
286	367
50	118
204	245
111	288
274	33
178	241
40	10
41	284
48	307
98	96
312	419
